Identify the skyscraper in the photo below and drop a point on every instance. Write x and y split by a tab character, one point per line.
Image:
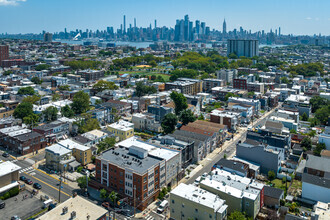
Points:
155	23
198	27
134	23
48	37
224	27
186	27
124	31
279	31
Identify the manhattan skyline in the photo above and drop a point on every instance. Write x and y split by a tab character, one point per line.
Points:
33	16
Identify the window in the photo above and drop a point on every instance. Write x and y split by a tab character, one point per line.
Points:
144	179
210	216
173	201
196	210
182	205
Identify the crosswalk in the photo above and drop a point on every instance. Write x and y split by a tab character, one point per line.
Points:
29	170
149	217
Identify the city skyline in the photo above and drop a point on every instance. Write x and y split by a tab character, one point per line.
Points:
27	16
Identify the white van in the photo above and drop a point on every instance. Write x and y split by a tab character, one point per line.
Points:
196	183
162	206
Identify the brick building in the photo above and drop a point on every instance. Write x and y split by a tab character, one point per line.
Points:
4	52
240	84
21	140
132	173
90	75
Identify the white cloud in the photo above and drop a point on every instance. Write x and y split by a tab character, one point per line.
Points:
10	2
308	18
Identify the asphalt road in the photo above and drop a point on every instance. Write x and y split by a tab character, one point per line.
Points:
229	148
50	185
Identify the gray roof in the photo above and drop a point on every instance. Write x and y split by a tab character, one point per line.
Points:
316	180
318	163
28	136
273	192
81	139
234	165
123	159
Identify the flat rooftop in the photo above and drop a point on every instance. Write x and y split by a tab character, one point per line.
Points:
81	206
200	196
125	160
70	144
58	149
8	167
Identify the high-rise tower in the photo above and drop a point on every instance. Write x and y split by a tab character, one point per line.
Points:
124	31
224	27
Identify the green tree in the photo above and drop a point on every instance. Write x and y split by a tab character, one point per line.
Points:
36	80
31	120
87	123
180	102
236	215
103	194
66	111
50	114
42	67
271	175
106	144
80	102
31	99
169	122
142	90
306	143
152	63
64	88
82	182
113	196
187	116
323	114
102	85
204	76
26	91
232	56
250	94
23	110
293	131
56	97
318	149
228	95
317	102
201	117
284	80
304	117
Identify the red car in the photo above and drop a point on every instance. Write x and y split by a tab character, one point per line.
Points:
28	181
106	205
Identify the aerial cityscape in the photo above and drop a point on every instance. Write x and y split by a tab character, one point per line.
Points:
164	110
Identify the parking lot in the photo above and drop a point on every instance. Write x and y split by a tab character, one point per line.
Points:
22	208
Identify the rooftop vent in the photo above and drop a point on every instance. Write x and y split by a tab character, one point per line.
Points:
73	215
65	210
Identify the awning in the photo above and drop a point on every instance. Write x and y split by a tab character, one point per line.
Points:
8	187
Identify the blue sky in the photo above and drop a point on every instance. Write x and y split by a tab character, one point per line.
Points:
293	16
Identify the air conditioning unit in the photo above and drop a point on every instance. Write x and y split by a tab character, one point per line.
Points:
73	215
65	210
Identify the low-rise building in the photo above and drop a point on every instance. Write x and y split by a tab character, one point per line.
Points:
132	173
208	84
9	175
240	193
80	152
230	119
273	196
122	129
76	208
146	121
189	201
58	157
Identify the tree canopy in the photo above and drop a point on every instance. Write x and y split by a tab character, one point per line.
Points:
106	144
142	89
169	122
187	116
83	64
26	91
180	102
31	120
80	102
23	110
66	111
102	85
50	114
306	143
31	99
36	80
306	69
42	67
87	123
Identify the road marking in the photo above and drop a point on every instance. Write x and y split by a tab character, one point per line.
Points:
50	175
48	184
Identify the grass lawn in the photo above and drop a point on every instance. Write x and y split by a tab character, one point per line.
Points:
166	77
277	183
296	184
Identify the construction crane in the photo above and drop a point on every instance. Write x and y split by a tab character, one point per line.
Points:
76	37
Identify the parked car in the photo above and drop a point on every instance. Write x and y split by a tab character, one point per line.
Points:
37	186
23	178
28	181
84	171
5	154
106	205
2	204
15	217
